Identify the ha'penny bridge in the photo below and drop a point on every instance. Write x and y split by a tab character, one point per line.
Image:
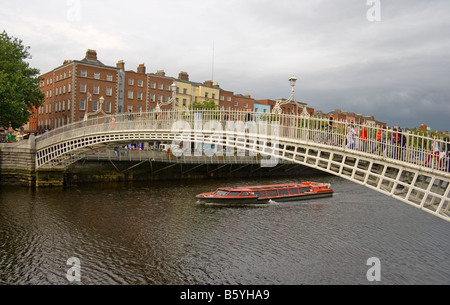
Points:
408	170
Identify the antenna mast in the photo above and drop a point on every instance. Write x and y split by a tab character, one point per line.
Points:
212	69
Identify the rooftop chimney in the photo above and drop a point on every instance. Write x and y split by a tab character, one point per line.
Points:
208	83
121	65
141	69
91	54
160	73
183	76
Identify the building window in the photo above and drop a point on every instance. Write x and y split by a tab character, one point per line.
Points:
97	75
140	96
131	82
82	104
130	94
160	98
94	105
69	89
109	77
222	98
229	99
108	107
184	102
160	86
236	104
108	91
96	89
83	88
140	83
152	97
153	85
83	73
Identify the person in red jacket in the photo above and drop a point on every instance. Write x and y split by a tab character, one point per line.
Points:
363	138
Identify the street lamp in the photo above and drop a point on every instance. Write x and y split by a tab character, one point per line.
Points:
99	109
292	81
291	99
171	101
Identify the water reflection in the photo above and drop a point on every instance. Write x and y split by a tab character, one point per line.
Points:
156	233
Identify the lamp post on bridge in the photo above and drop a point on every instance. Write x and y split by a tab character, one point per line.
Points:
291	100
99	110
171	101
277	109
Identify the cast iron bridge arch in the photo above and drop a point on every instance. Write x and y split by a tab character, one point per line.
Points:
408	172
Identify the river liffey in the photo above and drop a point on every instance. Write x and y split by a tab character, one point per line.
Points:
155	233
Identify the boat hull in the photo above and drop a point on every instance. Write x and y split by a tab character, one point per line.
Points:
255	200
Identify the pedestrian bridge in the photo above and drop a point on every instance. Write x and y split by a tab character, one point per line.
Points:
406	168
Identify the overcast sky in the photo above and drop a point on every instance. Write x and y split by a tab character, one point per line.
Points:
397	68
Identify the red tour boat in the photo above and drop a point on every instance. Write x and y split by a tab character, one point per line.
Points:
265	193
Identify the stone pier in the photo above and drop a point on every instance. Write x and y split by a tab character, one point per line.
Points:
18	166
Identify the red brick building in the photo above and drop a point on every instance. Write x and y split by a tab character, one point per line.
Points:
74	90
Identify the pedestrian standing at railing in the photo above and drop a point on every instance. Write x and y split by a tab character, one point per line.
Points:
434	153
350	136
396	143
363	138
445	161
403	143
356	132
380	139
330	124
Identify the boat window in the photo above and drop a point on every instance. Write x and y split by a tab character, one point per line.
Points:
244	194
293	191
303	189
261	194
233	193
283	192
272	193
221	193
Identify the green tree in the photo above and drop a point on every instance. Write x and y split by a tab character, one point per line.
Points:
206	105
19	83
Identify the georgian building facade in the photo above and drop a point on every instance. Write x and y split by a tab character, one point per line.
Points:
81	89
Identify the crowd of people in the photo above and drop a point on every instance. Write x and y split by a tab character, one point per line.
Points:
392	143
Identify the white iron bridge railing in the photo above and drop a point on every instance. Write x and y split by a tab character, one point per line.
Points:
424	151
413	168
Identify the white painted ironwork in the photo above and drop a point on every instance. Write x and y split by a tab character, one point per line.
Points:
407	168
172	101
280	102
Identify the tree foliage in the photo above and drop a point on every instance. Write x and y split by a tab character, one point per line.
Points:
19	83
205	105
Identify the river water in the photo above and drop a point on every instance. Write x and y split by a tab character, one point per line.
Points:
155	233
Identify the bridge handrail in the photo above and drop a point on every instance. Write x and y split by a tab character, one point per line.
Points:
417	149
